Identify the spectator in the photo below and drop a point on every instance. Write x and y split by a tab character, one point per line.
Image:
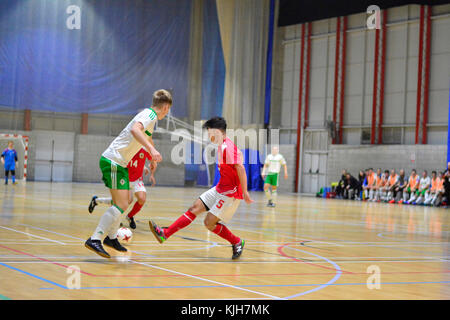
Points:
352	187
424	186
371	187
361	181
447	184
399	187
409	194
391	185
380	182
440	190
341	185
430	195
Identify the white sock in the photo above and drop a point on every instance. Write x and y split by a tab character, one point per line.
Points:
268	194
112	234
274	196
107	220
104	200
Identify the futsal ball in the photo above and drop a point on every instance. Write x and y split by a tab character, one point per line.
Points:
124	235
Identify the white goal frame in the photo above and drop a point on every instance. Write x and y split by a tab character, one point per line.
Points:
24	141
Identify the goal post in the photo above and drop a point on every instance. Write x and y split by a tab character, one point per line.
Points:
21	146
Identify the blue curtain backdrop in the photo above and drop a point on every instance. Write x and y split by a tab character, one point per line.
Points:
213	63
123	52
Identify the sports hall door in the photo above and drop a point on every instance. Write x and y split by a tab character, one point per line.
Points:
54	156
313	164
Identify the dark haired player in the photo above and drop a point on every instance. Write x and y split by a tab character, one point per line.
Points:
220	201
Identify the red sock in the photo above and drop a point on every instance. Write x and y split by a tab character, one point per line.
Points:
180	223
223	232
136	208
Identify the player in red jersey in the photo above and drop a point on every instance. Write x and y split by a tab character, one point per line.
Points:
220	201
136	171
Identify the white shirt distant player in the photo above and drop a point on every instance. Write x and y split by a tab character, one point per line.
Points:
274	162
125	146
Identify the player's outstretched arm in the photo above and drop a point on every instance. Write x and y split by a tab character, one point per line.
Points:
243	180
138	133
285	172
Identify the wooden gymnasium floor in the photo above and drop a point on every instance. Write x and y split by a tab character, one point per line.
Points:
305	248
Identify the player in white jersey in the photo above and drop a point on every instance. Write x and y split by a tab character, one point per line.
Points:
270	172
113	164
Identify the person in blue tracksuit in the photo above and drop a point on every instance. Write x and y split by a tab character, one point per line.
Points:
9	159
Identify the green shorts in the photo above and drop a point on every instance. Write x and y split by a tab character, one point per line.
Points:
114	176
272	179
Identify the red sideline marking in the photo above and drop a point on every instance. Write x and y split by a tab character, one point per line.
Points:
42	259
280	250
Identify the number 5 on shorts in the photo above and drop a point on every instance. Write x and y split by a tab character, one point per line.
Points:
220	204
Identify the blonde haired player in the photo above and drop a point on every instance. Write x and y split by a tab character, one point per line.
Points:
113	165
270	174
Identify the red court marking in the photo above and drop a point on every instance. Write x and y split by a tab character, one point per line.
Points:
42	259
280	250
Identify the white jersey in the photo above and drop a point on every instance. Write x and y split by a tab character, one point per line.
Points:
125	146
274	162
425	182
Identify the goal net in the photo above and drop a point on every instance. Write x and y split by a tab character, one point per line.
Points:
21	147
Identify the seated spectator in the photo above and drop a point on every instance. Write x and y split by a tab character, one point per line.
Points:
409	194
370	188
352	187
384	188
361	182
440	190
446	195
431	195
424	186
379	184
341	185
391	184
400	186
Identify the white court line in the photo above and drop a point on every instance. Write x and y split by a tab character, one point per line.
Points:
207	280
32	235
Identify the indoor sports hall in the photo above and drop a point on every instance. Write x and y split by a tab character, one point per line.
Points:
308	89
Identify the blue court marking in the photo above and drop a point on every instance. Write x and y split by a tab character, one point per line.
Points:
260	285
2	297
321	286
33	275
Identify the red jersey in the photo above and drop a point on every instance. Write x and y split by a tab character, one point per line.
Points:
136	165
229	184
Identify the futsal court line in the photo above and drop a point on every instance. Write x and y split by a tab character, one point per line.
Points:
207	280
261	286
32	235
